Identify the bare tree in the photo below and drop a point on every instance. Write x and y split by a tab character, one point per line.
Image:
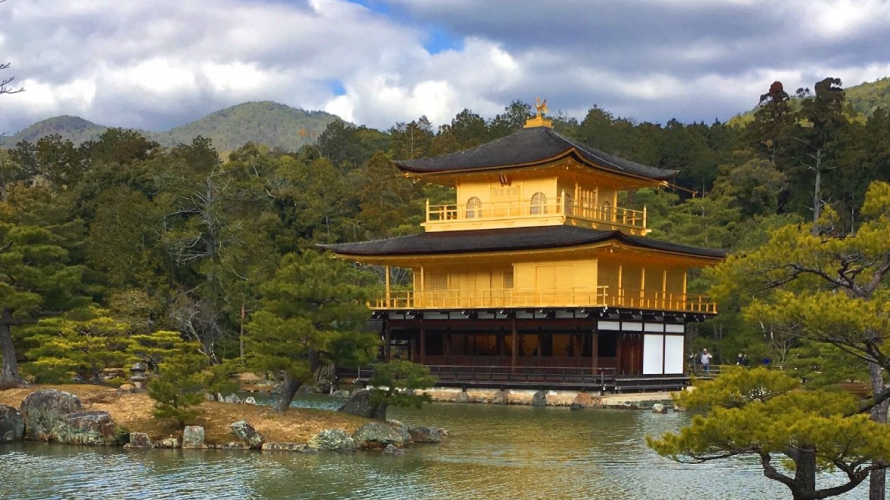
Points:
4	82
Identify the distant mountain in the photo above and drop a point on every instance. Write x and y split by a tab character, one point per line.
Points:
863	99
269	123
869	96
74	128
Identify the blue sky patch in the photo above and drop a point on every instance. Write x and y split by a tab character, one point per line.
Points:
439	40
336	87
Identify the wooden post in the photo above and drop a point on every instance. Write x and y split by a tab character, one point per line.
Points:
642	285
664	284
515	353
595	350
448	348
422	342
387	352
619	341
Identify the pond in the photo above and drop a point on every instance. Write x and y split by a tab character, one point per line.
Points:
492	452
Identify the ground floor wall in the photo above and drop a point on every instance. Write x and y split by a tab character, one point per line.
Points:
611	347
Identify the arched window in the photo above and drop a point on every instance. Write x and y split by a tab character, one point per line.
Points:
606	208
474	208
538	205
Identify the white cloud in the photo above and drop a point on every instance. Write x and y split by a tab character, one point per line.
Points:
163	63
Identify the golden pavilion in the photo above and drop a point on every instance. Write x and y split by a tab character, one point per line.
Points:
536	276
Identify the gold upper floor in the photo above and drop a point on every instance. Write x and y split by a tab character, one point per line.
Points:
601	276
563	193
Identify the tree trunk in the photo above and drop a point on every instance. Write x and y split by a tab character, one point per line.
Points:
9	374
817	195
291	386
805	473
877	479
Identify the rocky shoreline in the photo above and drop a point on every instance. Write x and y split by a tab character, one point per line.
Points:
576	400
58	416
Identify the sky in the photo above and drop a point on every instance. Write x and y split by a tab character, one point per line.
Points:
163	63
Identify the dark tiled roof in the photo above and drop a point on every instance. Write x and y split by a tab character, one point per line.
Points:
504	240
526	147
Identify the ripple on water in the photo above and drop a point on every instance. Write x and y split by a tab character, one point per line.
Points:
493	452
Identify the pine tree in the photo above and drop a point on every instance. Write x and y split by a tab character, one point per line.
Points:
312	313
395	383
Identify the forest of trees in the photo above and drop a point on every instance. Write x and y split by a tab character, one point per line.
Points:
120	250
180	239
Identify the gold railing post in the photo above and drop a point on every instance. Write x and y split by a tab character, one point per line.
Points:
644	217
388	296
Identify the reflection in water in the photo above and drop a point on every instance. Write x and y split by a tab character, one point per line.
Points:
492	452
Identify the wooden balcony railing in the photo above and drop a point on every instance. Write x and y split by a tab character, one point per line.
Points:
526	209
535	297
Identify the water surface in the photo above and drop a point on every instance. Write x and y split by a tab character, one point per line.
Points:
493	452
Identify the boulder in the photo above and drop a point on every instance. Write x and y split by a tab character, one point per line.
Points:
138	440
576	406
462	397
126	388
341	394
170	442
250	401
193	437
245	432
88	427
500	398
539	399
12	426
332	440
379	434
659	408
232	399
43	410
421	434
585	400
360	405
392	450
285	447
232	446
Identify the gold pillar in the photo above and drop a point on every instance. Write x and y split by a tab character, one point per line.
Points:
620	294
418	300
388	304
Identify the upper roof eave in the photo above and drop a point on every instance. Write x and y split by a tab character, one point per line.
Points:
528	148
507	240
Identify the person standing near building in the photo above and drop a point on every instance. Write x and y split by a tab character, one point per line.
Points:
706	360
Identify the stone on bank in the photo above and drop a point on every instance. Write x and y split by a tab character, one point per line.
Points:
332	440
88	427
12	426
378	435
43	410
245	432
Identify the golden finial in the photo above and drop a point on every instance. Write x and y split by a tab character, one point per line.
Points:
539	120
